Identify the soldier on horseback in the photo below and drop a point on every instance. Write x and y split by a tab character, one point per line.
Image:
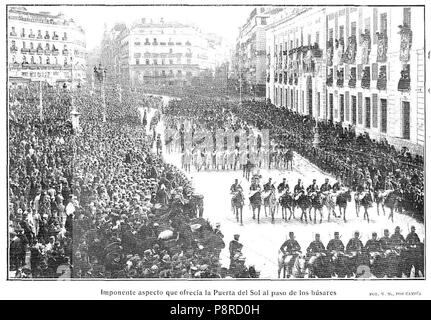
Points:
326	187
313	189
283	187
335	248
255	196
413	254
397	253
375	254
315	250
237	200
316	200
298	190
289	251
354	250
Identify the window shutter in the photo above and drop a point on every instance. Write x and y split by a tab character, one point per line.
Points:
375	26
374	71
360	108
359	71
346	106
375	111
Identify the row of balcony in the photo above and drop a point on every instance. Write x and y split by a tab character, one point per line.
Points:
156	43
39	36
40	51
26	65
161	55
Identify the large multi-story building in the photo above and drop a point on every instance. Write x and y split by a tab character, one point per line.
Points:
162	53
248	62
360	66
45	47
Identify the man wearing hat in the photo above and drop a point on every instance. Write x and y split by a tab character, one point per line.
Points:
335	246
355	244
315	250
385	241
290	248
412	238
235	246
283	186
326	187
373	246
299	189
397	238
268	186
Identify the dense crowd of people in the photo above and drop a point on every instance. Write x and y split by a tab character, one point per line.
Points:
357	160
100	203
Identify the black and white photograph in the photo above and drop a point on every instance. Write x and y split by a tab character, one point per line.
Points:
215	142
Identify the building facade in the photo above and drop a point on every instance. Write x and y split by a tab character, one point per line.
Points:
45	47
360	66
167	53
250	52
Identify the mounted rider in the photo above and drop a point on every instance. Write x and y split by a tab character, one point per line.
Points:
354	246
234	189
283	187
335	246
412	238
298	190
338	185
385	241
326	187
373	245
397	239
268	186
290	249
315	250
313	189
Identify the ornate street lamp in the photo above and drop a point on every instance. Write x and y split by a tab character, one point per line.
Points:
100	74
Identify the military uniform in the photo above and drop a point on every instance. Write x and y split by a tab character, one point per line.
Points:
290	246
234	247
412	239
283	186
354	245
335	245
325	187
316	247
373	245
268	186
385	243
397	239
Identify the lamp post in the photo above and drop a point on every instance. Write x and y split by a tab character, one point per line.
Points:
100	74
74	114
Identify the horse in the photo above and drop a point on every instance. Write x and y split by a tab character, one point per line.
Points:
299	269
320	267
270	201
339	264
392	201
341	201
329	201
317	203
289	159
256	203
238	204
364	199
303	201
287	202
291	264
